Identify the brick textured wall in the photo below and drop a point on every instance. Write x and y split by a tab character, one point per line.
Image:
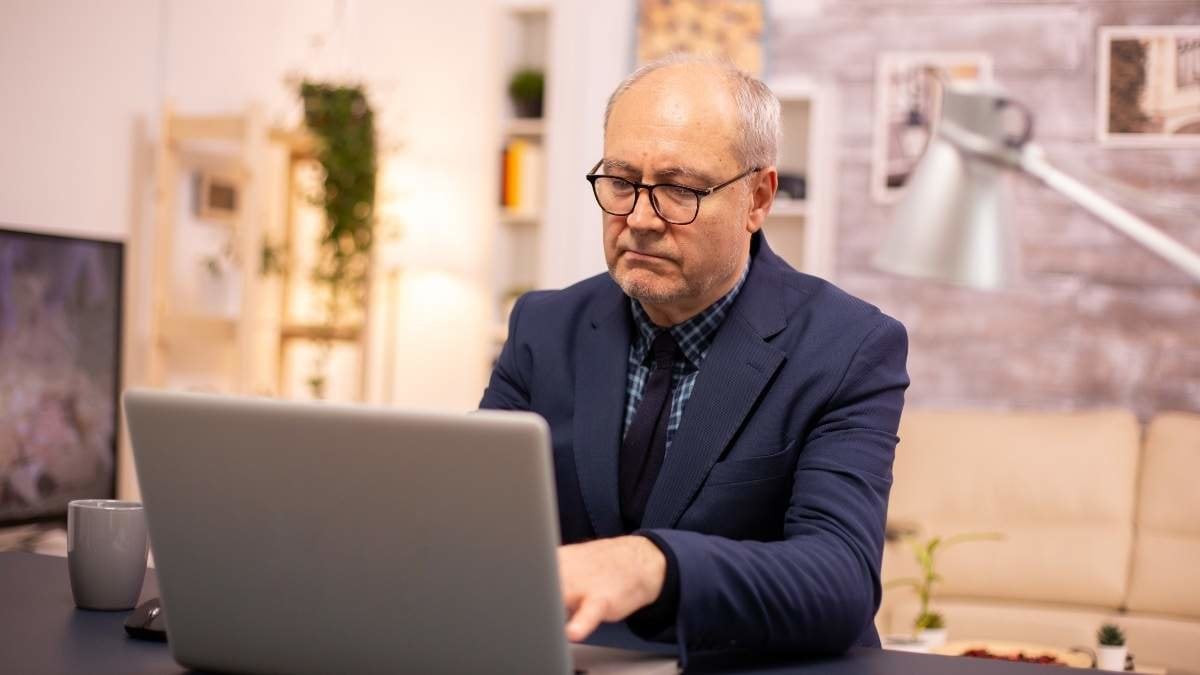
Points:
1096	321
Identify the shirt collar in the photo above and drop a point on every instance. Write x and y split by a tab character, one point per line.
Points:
693	336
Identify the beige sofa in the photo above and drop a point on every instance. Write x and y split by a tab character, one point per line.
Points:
1101	523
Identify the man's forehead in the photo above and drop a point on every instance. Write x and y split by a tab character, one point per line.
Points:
662	170
676	122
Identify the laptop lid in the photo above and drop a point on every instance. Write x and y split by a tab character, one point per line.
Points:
316	537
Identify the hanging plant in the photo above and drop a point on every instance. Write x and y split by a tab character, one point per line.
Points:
343	124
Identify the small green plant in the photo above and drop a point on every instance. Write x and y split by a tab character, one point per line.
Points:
527	88
926	555
1110	635
930	621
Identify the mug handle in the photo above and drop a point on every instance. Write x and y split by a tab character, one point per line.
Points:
1026	133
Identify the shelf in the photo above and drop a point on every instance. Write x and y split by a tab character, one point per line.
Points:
520	218
320	332
532	127
186	327
789	208
300	142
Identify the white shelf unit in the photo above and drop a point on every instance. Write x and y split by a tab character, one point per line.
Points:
801	230
524	40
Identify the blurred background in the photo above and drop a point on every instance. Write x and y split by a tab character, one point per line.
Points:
340	199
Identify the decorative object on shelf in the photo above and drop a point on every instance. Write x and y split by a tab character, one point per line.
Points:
729	28
341	120
521	177
272	258
217	196
1110	648
951	224
926	553
527	90
1148	79
792	185
907	104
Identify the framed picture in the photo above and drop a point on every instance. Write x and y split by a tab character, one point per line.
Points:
907	107
731	28
217	195
1149	86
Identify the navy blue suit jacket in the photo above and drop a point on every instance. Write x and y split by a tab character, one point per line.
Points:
773	494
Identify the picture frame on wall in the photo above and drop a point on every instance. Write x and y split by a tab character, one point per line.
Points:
217	195
734	29
907	107
1148	89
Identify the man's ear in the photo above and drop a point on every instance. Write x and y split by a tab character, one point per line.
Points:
765	182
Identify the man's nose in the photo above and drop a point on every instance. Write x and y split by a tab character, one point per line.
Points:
644	217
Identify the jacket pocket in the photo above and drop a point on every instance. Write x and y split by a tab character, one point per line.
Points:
763	467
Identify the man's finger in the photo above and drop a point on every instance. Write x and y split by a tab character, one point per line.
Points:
585	619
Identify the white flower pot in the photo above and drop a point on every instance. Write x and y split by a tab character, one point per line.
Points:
932	637
1111	658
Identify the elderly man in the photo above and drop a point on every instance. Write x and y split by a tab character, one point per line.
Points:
723	426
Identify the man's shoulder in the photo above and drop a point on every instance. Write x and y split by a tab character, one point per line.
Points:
809	299
592	295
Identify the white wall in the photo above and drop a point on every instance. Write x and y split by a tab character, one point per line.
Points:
74	79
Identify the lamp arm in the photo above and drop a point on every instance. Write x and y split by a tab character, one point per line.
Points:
1033	161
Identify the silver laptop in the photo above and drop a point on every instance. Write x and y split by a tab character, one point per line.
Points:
317	538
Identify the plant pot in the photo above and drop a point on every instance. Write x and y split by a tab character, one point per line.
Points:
1111	658
932	638
527	107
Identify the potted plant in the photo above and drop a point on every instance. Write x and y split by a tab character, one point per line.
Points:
527	90
1110	649
930	626
931	629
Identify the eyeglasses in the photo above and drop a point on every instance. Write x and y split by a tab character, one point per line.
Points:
675	204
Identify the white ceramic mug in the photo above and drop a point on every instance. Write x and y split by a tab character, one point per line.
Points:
107	546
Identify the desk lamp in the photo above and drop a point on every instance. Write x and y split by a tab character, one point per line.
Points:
950	225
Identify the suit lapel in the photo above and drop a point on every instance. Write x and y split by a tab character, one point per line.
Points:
739	365
599	405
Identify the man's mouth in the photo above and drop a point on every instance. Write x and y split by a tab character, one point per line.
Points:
640	255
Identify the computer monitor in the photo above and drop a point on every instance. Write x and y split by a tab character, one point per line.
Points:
60	346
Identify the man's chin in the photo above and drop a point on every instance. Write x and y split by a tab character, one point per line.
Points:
648	288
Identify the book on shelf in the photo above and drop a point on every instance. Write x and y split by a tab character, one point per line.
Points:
521	176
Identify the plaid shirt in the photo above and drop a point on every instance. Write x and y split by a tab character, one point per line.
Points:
693	336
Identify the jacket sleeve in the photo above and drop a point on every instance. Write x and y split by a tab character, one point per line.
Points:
816	590
508	389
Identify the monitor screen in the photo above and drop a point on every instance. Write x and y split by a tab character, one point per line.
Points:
60	343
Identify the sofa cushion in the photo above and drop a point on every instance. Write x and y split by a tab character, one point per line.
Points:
1058	486
1061	626
1163	641
1166	554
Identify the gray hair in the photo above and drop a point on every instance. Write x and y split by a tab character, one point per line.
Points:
758	143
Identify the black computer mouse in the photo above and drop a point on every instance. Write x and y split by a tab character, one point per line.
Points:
148	622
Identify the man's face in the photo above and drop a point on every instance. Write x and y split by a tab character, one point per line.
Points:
677	125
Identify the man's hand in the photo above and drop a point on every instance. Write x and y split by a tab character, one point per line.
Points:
607	580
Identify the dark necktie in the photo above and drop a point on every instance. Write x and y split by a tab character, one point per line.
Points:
646	440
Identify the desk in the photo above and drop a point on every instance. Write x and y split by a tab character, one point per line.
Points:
42	632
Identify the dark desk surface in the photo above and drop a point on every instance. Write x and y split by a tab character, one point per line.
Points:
42	632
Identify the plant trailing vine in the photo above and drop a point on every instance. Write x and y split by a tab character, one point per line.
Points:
341	120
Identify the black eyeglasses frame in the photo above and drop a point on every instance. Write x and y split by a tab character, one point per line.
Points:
700	193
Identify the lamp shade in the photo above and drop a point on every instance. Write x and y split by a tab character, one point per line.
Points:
951	223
